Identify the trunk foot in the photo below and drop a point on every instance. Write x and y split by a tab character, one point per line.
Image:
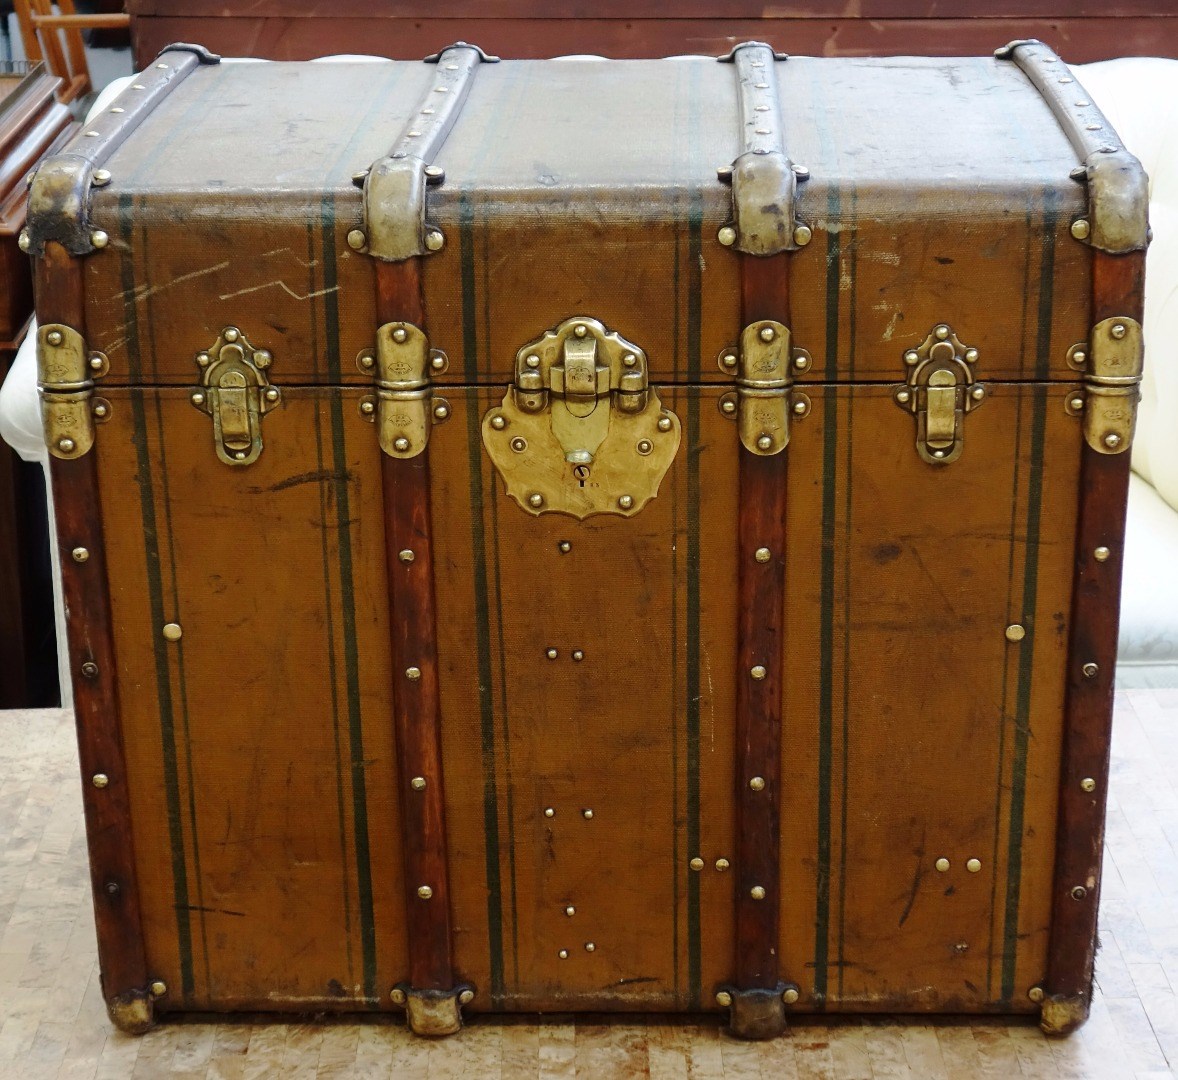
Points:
133	1013
1061	1015
757	1013
433	1012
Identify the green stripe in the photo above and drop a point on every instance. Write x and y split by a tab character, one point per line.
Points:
348	605
826	586
143	476
1022	720
482	629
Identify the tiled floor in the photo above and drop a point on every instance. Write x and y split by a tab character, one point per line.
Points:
53	1024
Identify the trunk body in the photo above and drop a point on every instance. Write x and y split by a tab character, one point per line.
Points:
394	731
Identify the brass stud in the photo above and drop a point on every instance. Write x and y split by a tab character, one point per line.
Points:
802	361
536	500
435	172
1088	784
80	554
1076	403
765	442
664	423
803	235
138	86
1112	440
438	361
727	236
903	397
551	654
466	997
570	911
100	779
1090	670
728	359
367	407
977	393
401	444
757	783
696	864
159	988
722	865
801	406
406	555
532	360
580	330
162	67
790	995
417	783
1015	632
590	947
202	359
973	865
625	501
578	655
272	394
941	332
424	891
942	864
587	814
519	444
767	333
413	134
724	999
66	445
1079	892
629	359
757	892
911	356
397	996
89	669
413	673
565	547
91	134
758	671
54	337
563	954
728	406
172	631
1117	330
763	555
434	240
101	410
441	410
24	241
1036	993
498	422
357	240
1101	554
231	333
101	177
645	446
99	238
549	812
400	335
1080	229
971	356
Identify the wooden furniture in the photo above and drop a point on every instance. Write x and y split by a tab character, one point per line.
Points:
55	36
1080	30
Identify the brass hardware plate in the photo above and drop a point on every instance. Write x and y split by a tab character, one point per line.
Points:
66	384
236	393
581	431
1112	384
403	408
764	363
939	392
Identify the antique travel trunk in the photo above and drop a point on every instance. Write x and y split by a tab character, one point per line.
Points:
581	535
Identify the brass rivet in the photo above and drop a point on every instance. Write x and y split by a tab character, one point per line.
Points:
434	240
438	361
441	410
413	673
66	445
802	235
413	134
1035	993
1079	892
941	332
723	999
1112	440
202	359
24	241
466	997
401	444
590	947
903	396
91	134
765	443
1087	784
357	240
580	330
763	554
159	988
551	654
625	502
587	814
532	360
199	399
536	499
89	669
570	911
728	406
1101	554
80	554
1076	404
400	335
162	67
172	631
519	444
942	864
578	655
565	547
977	393
757	783
101	177
1117	330
1015	632
1090	670
1080	229
728	359
757	892
758	671
424	891
696	864
397	996
367	408
498	423
971	356
434	172
231	333
629	359
645	446
664	423
272	394
138	86
790	996
801	406
54	337
563	954
417	783
100	779
767	333
911	356
406	555
973	865
99	238
549	812
722	865
727	236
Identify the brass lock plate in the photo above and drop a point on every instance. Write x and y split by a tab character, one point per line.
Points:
235	392
581	431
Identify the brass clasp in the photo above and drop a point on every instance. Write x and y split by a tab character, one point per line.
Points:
65	382
764	398
235	392
404	408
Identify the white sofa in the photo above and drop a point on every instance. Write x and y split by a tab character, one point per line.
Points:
1140	97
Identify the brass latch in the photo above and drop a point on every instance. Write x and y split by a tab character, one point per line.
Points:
66	375
581	431
939	392
1112	363
235	392
763	400
403	408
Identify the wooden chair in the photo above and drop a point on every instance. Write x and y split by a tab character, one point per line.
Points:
56	38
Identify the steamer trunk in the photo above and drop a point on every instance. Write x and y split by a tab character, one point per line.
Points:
537	571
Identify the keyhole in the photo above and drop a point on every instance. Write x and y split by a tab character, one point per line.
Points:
581	472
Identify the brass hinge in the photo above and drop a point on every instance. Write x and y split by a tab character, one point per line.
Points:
764	399
236	393
1112	362
66	383
939	392
403	407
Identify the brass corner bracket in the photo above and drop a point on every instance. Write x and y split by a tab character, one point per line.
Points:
433	1013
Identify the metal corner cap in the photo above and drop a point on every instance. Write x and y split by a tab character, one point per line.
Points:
730	56
1118	202
394	209
1007	51
133	1012
1060	1015
59	205
484	57
199	51
763	187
